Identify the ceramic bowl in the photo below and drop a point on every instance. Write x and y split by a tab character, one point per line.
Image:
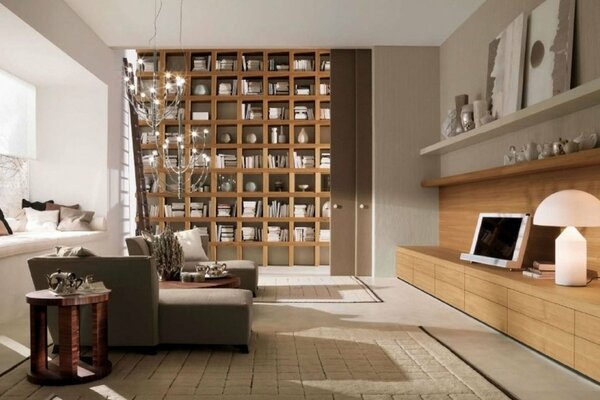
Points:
251	138
303	187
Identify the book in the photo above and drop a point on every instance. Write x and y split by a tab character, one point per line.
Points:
544	265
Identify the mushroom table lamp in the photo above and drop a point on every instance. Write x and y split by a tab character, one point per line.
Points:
569	209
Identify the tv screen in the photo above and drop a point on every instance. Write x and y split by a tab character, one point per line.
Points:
498	237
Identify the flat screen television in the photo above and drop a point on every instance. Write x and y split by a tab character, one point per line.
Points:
500	240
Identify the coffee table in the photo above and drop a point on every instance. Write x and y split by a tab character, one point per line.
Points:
230	281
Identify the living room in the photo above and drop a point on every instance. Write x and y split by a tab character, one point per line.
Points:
342	162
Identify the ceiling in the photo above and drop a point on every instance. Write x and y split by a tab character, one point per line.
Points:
275	23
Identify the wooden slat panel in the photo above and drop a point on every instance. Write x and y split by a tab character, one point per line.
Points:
551	341
587	358
490	291
452	275
553	314
587	327
450	294
487	311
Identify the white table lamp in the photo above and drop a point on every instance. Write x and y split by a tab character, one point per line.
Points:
568	209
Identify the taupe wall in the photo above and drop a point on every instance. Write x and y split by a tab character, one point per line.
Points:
463	67
405	103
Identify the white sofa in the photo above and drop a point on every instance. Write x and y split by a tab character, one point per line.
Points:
16	249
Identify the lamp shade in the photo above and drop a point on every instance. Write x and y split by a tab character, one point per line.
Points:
568	208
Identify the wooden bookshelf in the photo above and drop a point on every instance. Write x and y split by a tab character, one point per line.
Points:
226	115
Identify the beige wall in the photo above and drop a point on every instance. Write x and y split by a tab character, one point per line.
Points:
405	96
463	68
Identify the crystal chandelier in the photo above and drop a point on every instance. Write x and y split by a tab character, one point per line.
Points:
157	98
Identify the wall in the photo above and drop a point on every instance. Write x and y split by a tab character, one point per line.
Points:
463	69
61	26
405	101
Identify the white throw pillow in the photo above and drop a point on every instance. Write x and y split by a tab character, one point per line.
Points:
40	221
191	242
17	225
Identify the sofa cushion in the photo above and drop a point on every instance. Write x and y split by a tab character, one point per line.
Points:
41	221
75	220
137	246
191	242
36	205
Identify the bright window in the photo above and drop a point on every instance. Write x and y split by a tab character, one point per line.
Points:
17	117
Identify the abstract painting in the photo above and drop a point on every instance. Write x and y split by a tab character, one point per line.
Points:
549	50
506	57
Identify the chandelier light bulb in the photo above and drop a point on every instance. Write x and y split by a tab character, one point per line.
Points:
165	145
156	101
126	79
194	133
194	150
167	75
140	61
154	152
152	90
179	139
167	140
143	95
129	69
132	87
168	86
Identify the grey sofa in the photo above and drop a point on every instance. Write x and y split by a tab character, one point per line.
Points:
142	315
245	269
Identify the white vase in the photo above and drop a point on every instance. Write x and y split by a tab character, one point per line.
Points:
302	136
274	135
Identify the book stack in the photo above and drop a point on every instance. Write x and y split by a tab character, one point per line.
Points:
200	161
226	161
178	210
252	209
251	234
281	88
252	161
304	210
303	90
149	138
198	209
253	87
277	234
304	234
326	65
277	209
278	112
251	65
148	65
325	113
325	160
226	64
227	88
275	65
325	89
226	233
225	210
201	63
303	112
153	210
252	111
278	161
540	270
303	161
201	115
148	160
325	235
305	65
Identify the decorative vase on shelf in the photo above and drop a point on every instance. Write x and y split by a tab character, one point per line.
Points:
282	138
302	136
274	135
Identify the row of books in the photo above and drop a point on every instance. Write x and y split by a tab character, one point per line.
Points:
198	209
278	161
278	112
151	184
326	65
252	208
254	161
325	89
305	65
171	211
251	87
201	63
278	209
281	88
226	64
153	210
251	64
276	65
304	234
226	233
201	115
227	88
325	113
251	234
325	235
252	111
149	138
226	161
304	89
303	112
277	234
325	160
304	210
306	161
226	209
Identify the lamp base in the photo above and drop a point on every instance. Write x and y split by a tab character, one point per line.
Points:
571	258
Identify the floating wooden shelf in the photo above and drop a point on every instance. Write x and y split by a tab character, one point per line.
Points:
579	98
581	159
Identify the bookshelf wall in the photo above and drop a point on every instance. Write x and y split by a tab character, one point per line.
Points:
238	97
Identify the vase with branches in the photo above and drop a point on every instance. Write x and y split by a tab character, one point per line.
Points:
168	254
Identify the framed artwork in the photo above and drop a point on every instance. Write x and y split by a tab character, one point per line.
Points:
549	50
506	58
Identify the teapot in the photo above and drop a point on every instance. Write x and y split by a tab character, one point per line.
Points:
63	282
530	150
216	269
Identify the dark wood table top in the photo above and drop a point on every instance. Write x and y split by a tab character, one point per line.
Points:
230	281
48	298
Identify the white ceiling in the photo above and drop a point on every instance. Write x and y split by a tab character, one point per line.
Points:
275	23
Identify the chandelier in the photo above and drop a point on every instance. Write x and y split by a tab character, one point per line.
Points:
158	97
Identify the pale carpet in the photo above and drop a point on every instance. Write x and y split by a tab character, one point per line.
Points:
313	289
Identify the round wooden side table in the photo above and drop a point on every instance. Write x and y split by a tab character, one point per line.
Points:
71	368
230	281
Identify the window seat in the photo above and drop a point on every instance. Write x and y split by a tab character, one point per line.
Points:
34	242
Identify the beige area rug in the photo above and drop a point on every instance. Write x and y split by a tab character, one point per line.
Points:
314	289
320	363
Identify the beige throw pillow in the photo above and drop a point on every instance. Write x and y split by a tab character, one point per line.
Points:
191	242
75	220
66	251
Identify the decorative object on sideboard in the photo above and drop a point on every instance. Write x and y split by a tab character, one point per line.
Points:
302	136
466	117
531	151
303	187
510	158
505	69
168	254
459	102
225	137
278	185
549	50
326	209
282	138
586	142
227	183
545	151
449	124
569	209
570	147
480	111
557	147
251	138
250	186
274	135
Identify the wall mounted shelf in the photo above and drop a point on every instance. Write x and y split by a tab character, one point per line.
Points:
577	99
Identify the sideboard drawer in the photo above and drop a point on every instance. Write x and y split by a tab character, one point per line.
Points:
451	275
490	291
450	294
424	275
424	267
553	314
587	327
587	358
487	311
552	341
404	267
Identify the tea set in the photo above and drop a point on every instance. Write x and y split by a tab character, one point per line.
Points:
533	151
203	272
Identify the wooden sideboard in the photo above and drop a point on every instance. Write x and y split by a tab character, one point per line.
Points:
560	322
